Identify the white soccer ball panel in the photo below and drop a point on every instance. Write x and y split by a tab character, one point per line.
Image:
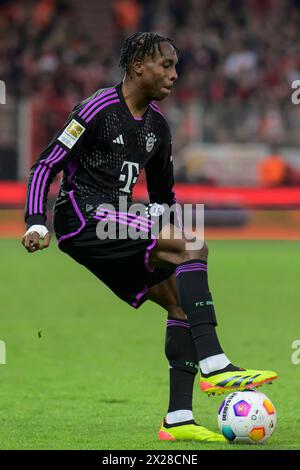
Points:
247	417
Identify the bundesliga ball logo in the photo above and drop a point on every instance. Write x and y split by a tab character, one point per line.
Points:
247	417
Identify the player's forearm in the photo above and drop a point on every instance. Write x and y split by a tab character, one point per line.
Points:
49	163
160	197
35	212
37	219
41	177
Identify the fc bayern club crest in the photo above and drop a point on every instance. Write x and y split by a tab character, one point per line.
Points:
150	141
155	209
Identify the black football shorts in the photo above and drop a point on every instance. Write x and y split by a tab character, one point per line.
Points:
122	263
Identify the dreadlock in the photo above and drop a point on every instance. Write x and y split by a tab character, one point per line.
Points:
138	45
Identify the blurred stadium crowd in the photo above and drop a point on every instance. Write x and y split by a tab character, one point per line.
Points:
237	58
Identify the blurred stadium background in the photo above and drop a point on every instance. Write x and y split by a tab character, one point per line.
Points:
235	129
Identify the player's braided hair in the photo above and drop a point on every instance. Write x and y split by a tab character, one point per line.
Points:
138	45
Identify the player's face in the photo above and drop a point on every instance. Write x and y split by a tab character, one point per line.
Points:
159	72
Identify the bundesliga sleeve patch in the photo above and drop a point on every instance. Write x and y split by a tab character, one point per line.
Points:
71	133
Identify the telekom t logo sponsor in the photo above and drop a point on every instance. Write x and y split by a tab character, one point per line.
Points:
129	176
2	92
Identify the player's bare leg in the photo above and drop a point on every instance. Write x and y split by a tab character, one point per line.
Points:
219	375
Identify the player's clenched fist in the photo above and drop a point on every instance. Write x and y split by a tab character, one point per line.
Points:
36	238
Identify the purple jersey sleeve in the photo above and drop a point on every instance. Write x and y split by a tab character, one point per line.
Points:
79	127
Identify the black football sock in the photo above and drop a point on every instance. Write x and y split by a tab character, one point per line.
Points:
181	354
196	301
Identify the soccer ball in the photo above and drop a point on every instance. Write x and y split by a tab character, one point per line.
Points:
247	417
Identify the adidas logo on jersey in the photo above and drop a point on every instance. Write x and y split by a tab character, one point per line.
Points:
119	140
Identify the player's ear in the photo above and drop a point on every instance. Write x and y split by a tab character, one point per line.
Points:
138	67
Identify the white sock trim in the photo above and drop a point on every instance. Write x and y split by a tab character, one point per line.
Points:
212	363
178	416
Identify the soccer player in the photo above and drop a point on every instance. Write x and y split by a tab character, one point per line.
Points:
107	140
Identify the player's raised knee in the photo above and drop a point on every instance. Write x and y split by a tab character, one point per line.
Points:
175	253
200	253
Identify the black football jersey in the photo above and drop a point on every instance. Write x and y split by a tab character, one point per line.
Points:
101	151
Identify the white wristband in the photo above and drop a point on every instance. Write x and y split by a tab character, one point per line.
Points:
40	229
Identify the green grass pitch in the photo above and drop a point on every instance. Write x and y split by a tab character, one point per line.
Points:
86	371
